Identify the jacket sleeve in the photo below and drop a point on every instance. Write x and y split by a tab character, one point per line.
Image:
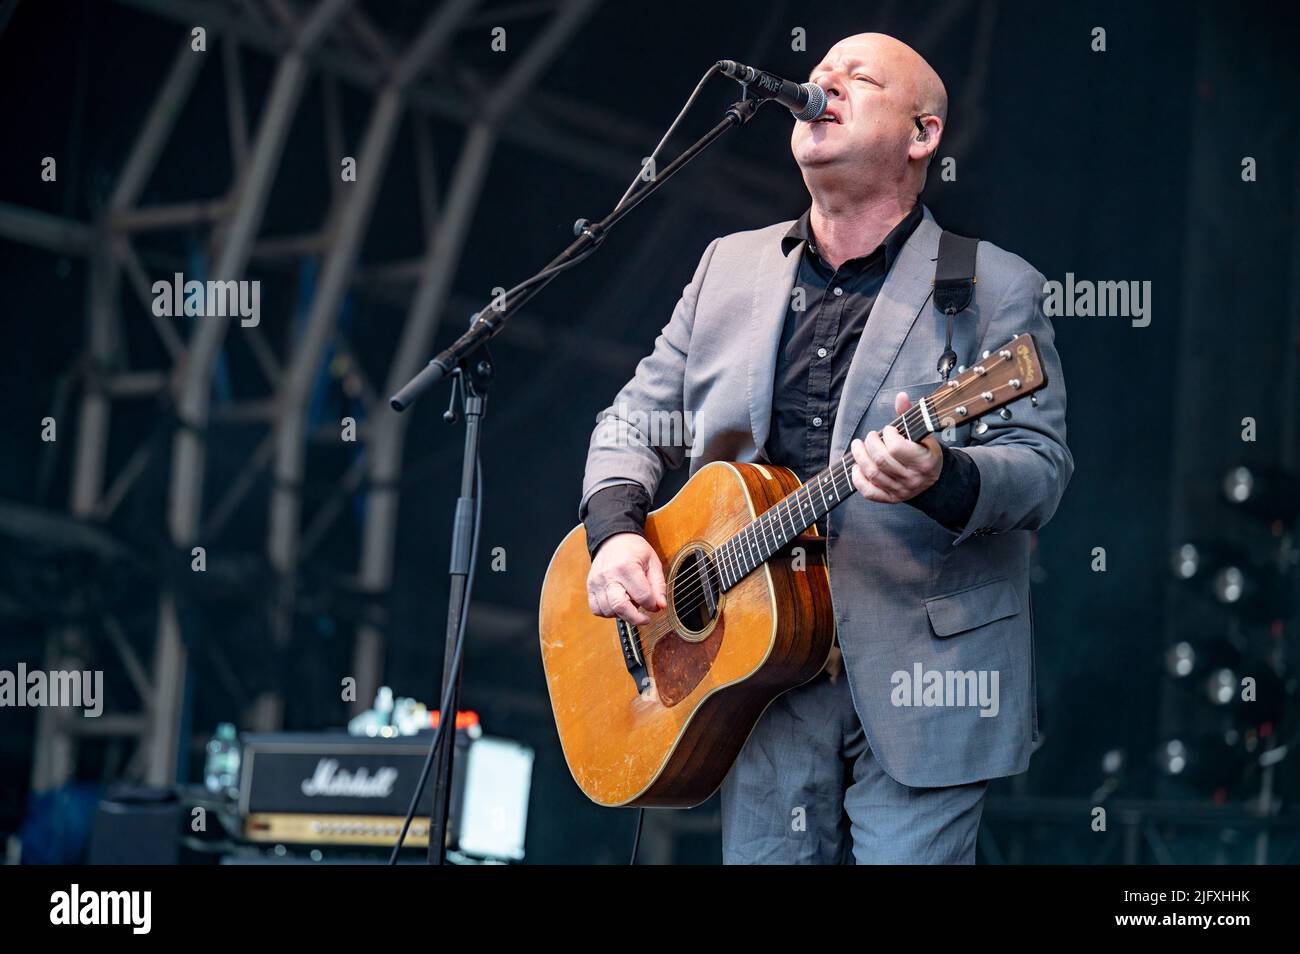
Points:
620	508
622	450
950	500
1024	464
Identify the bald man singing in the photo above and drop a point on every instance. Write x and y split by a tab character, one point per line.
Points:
799	341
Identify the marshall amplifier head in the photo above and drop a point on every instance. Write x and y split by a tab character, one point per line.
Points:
335	788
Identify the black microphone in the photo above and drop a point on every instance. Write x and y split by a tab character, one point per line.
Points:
806	100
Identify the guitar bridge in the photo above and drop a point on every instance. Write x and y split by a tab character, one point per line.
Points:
629	640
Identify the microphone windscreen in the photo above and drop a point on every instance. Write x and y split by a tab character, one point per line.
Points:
815	106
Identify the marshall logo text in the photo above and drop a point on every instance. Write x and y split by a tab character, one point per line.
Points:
329	779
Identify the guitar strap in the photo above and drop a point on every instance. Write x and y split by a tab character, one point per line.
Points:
954	286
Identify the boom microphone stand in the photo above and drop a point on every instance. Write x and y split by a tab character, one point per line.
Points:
457	359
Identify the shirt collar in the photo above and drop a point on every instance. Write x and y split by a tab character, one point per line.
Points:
893	244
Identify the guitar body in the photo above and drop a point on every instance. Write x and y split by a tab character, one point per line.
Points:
660	722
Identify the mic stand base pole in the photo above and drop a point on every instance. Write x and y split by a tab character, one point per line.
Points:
475	383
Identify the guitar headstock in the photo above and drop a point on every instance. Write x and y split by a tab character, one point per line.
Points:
999	378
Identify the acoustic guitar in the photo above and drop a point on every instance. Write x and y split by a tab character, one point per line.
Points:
655	715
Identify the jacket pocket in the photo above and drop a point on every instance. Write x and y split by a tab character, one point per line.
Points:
974	606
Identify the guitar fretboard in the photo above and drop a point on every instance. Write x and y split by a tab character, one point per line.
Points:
781	523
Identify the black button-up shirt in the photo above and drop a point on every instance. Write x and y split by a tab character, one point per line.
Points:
829	308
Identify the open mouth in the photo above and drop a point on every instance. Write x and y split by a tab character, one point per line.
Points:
826	118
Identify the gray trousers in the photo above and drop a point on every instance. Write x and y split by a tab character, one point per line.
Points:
806	789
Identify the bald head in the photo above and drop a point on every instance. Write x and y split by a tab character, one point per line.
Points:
899	63
878	89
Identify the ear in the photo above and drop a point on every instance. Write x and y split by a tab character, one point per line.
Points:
925	144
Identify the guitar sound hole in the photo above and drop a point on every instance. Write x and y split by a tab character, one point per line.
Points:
695	592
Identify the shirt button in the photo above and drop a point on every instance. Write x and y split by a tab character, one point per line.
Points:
821	352
838	291
817	422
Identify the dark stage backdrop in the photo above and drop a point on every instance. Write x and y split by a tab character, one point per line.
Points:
1122	164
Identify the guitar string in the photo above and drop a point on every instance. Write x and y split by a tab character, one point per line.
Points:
732	550
663	626
694	593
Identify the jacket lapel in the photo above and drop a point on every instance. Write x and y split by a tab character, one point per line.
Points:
773	280
905	292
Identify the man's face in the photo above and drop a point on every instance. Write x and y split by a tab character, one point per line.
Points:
868	121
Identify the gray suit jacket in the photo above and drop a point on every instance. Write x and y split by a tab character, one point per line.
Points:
926	617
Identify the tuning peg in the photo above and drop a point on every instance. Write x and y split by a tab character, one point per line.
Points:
1005	414
1033	399
981	427
986	354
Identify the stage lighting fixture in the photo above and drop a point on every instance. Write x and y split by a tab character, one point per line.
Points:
1221	687
1180	659
1173	757
1229	585
1238	484
1186	561
1269	493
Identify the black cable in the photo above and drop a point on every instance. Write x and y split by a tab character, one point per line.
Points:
547	273
690	101
543	276
636	840
457	656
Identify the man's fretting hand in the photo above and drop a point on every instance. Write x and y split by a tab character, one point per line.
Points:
890	468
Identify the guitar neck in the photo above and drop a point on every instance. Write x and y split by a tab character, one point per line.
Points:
781	523
1002	377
